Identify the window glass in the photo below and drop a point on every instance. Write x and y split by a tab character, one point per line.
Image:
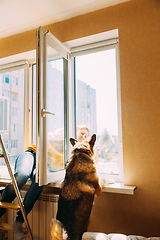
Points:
55	123
96	106
54	104
11	116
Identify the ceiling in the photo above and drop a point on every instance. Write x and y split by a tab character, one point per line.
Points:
22	15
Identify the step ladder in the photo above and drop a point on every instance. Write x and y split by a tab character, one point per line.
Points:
19	206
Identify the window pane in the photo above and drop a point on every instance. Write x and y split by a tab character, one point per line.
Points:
54	104
55	124
11	115
96	105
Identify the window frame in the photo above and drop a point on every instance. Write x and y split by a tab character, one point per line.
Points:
44	38
93	47
8	66
78	46
12	66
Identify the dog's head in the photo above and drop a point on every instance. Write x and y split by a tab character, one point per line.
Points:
84	146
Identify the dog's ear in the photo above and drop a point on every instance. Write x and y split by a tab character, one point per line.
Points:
73	141
92	140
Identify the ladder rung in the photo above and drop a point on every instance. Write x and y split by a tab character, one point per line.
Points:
7	205
2	156
9	227
4	181
6	226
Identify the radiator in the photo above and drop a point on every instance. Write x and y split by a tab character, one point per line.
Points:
39	218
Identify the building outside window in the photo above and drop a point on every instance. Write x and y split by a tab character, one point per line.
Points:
14	80
4	113
5	93
5	78
14	111
11	123
14	96
6	144
14	143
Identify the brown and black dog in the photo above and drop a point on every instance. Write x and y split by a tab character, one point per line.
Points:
78	190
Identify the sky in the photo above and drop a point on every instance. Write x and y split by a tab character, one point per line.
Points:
99	71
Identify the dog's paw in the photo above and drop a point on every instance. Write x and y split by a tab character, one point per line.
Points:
103	182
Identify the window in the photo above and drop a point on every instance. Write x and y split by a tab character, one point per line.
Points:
94	101
90	97
14	111
14	80
55	123
13	127
14	96
5	78
95	67
52	126
14	143
12	123
5	93
97	72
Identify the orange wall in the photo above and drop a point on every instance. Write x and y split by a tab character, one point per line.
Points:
138	22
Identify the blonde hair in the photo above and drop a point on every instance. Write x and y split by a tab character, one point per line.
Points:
83	127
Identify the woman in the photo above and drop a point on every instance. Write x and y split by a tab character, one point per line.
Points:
25	168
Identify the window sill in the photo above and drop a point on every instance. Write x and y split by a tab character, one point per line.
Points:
110	188
119	188
55	187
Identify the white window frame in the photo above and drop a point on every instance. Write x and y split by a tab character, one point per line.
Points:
78	46
44	37
95	43
87	45
11	65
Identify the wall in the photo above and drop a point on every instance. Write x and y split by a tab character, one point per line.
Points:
138	22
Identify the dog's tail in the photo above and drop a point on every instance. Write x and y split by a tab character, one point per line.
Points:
57	231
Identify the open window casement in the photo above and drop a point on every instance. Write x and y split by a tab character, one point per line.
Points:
52	107
102	52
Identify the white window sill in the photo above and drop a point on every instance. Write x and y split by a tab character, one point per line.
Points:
110	188
119	188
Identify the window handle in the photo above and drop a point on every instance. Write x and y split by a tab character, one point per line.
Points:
44	112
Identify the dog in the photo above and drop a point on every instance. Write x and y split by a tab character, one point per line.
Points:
80	186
